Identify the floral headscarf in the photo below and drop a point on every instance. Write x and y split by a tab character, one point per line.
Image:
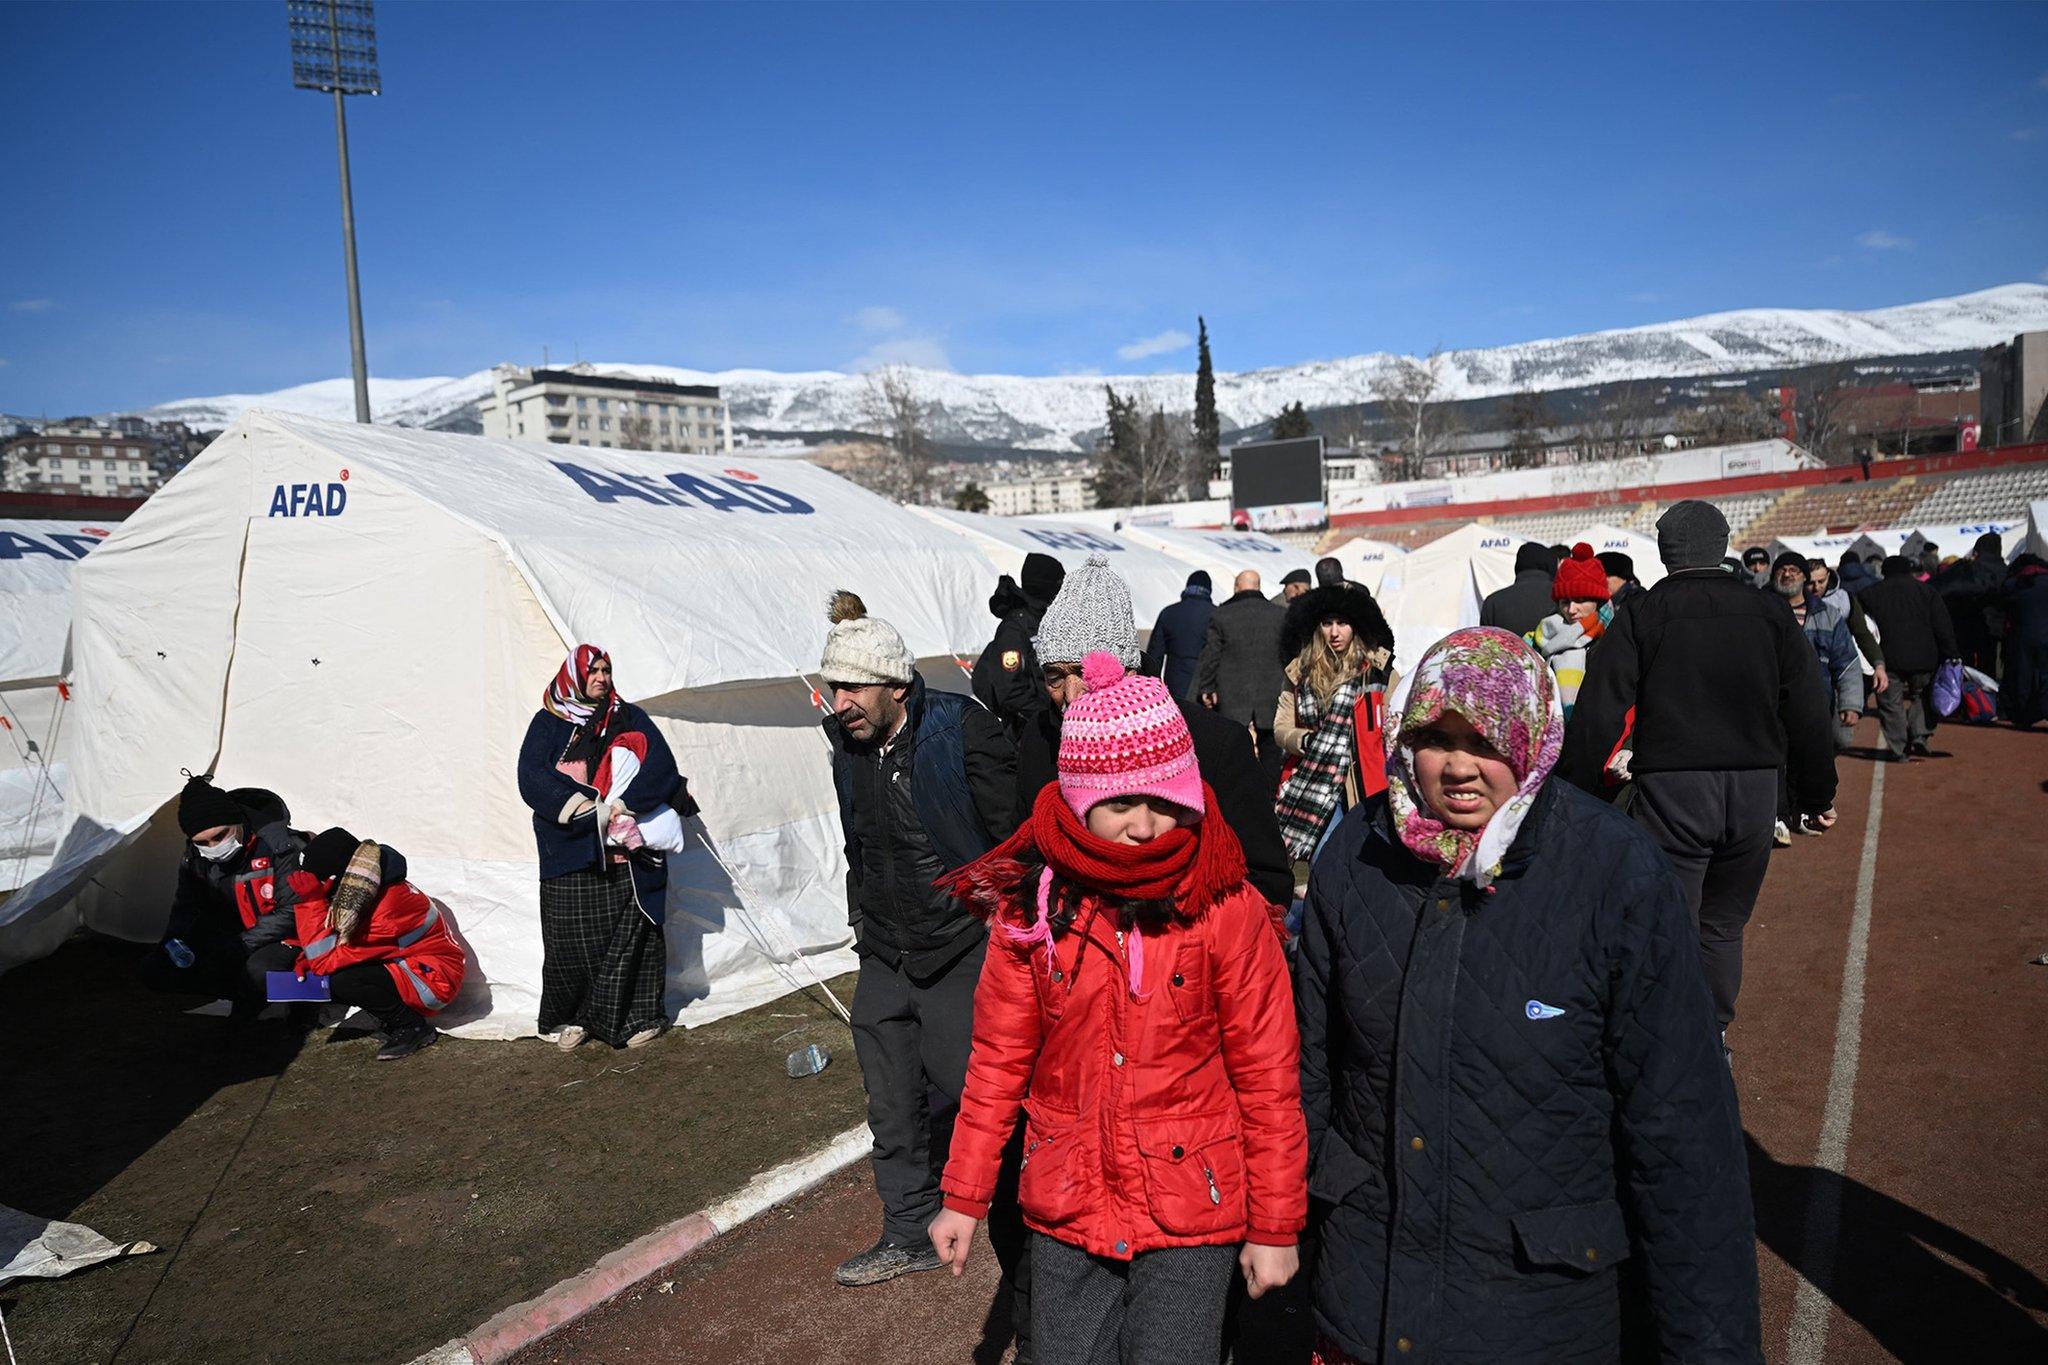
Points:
565	696
1499	684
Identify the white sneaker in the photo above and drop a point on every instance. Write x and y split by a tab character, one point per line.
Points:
643	1037
1781	836
570	1038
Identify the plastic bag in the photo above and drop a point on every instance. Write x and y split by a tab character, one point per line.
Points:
1948	687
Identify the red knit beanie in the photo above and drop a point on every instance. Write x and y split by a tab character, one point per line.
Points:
1580	575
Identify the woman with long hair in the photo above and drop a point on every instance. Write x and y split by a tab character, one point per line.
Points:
1339	654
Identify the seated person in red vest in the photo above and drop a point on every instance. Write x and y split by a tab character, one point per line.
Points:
232	908
382	945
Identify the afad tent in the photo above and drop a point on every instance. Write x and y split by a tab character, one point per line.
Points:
364	619
1154	577
1434	590
1641	549
36	558
1365	560
2037	529
1957	540
1223	554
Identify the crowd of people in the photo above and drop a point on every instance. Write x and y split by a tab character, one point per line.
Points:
1466	1096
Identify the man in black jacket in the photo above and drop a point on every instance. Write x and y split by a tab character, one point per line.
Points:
1709	687
1918	635
233	900
1972	589
1519	606
1177	637
1006	676
1093	612
926	783
1239	674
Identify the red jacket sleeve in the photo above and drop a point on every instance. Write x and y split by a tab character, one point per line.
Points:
1262	1054
1009	1030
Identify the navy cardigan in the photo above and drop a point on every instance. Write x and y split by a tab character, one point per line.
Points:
574	845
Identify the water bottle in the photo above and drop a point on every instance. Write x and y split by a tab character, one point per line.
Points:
175	949
808	1060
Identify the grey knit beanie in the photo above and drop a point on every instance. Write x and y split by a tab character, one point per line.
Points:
862	649
1092	612
1692	535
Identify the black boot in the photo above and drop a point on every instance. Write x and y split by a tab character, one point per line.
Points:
403	1037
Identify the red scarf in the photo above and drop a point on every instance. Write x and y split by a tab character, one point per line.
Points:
1195	866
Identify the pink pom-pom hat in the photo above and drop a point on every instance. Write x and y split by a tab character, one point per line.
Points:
1125	737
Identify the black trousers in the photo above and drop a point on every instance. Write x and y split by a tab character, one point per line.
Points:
1716	829
222	970
1271	758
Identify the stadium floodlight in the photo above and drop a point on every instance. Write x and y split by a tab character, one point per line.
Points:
334	49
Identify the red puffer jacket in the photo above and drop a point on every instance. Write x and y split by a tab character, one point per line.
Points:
1169	1120
406	932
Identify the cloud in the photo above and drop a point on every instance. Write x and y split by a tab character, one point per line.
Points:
879	319
1877	239
31	305
2024	134
1165	343
1646	296
923	352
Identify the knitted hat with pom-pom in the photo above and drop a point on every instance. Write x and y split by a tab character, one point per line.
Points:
1125	737
1579	575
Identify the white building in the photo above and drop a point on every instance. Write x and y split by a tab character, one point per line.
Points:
579	406
80	458
1024	497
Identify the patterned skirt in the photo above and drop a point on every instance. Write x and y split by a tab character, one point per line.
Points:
604	963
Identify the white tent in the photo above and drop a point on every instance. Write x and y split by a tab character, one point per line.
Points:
1957	539
1823	547
364	618
1366	560
1154	577
36	558
1430	592
2037	529
1641	549
1223	554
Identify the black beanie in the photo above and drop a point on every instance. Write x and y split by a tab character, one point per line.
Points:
327	853
1990	545
1534	556
203	806
1792	557
1894	565
1200	579
1618	565
1042	577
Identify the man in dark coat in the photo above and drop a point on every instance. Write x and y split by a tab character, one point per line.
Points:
926	782
233	900
1093	612
1913	622
1854	574
2023	690
1519	606
1721	690
1972	588
1006	676
1177	637
1623	587
1240	675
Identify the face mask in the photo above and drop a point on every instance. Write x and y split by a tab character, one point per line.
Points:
222	851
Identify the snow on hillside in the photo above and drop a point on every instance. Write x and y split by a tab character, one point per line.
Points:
1051	412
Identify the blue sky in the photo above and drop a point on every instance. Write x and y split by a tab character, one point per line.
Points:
1014	188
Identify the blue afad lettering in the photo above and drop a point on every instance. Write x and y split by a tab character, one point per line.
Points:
716	492
13	545
1073	540
308	499
1251	543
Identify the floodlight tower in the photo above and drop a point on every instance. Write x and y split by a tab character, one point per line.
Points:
334	48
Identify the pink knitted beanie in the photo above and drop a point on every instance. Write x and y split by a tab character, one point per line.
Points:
1125	737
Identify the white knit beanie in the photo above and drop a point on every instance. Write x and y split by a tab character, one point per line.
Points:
862	649
1091	613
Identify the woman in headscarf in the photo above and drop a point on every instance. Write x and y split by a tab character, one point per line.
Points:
601	901
1339	652
1503	1018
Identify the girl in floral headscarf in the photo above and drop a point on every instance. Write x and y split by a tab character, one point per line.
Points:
1503	1018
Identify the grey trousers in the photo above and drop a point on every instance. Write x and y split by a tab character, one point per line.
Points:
1905	711
1716	829
1159	1308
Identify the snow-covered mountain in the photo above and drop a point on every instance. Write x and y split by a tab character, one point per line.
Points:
1051	412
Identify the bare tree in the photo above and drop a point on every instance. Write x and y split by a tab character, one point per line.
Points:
1411	396
1527	416
1727	419
636	432
897	418
1620	426
1824	412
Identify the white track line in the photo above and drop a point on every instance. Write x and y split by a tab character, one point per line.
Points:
1807	1341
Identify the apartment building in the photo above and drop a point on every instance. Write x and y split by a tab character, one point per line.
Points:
579	406
1057	493
81	458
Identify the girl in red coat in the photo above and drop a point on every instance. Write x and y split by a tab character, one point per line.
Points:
1135	1006
381	943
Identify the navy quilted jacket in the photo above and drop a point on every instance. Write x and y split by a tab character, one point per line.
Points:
1510	1094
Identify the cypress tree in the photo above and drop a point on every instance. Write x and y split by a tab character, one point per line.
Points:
1208	454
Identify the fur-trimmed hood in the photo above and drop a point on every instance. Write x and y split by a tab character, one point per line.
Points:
1346	601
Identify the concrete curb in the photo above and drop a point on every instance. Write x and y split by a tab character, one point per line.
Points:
525	1323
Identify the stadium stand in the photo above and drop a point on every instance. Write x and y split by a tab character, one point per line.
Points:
1998	494
1837	507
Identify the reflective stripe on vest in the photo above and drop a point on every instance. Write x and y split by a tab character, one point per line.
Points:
412	936
321	947
428	999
